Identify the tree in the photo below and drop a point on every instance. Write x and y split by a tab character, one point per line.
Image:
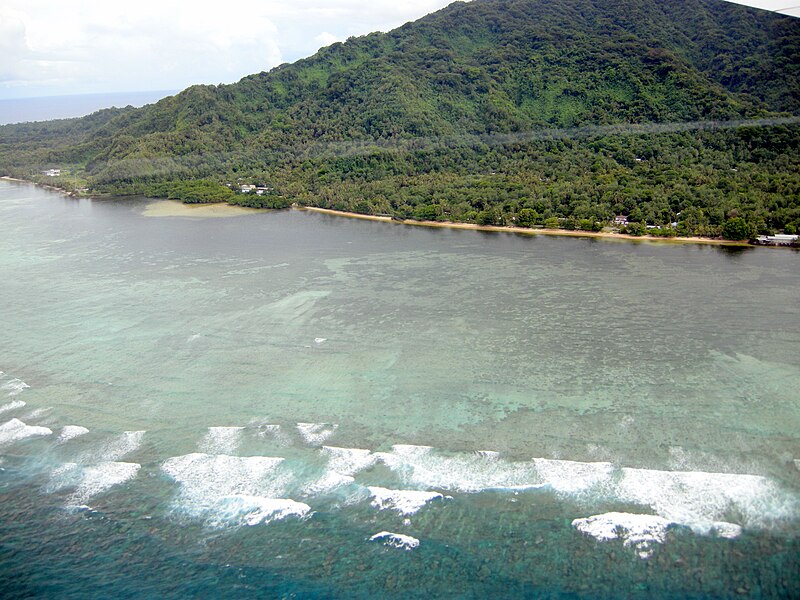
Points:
634	229
486	217
736	229
527	217
551	223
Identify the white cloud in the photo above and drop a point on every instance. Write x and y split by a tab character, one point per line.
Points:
89	45
83	46
326	39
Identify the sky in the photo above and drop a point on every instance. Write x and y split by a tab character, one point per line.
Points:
50	48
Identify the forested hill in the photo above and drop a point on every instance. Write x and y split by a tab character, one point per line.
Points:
496	111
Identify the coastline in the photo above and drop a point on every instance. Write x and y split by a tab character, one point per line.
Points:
434	224
44	186
348	215
528	231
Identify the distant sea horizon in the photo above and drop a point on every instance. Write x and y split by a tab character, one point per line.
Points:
45	108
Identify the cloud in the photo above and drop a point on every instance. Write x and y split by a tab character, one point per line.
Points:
98	46
326	39
84	46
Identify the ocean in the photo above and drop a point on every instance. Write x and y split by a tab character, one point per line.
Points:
45	108
292	404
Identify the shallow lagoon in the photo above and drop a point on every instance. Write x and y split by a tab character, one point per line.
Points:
253	398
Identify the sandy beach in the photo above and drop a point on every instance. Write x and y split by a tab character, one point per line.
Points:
527	231
349	215
175	208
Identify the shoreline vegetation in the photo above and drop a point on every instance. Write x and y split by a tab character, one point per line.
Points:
676	124
531	231
175	208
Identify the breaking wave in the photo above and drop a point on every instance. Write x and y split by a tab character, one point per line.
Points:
15	430
396	540
69	432
12	406
642	531
405	502
696	499
232	490
14	386
90	481
349	461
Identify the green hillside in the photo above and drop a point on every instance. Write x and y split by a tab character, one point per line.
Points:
493	111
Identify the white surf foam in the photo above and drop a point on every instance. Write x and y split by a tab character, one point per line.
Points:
15	430
326	483
696	499
405	502
114	449
14	386
99	478
221	440
699	499
222	475
12	406
396	540
69	432
232	490
320	340
253	510
89	481
316	434
348	461
422	467
570	477
63	476
639	531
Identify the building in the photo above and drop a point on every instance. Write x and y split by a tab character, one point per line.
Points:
781	239
620	220
52	172
246	188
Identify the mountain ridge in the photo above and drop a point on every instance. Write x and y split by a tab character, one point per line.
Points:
488	67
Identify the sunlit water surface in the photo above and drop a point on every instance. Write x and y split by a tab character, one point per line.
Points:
287	403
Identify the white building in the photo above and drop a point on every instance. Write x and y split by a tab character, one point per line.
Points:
780	239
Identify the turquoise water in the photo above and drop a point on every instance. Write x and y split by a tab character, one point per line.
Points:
292	404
